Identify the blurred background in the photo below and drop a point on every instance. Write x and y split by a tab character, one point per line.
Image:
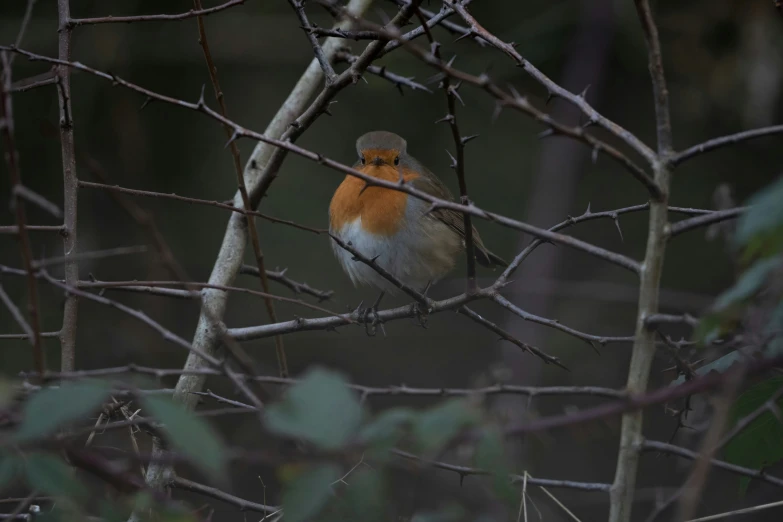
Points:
724	64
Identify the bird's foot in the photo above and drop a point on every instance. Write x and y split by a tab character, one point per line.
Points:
420	310
370	318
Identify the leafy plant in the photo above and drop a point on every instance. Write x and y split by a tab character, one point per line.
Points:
760	444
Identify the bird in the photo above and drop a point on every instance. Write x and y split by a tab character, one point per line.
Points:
393	228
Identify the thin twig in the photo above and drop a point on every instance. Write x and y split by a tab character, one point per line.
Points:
366	391
286	145
74	22
743	511
12	159
553	89
242	504
318	51
251	224
70	188
196	201
705	220
458	162
723	141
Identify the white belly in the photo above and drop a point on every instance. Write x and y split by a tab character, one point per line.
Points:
415	256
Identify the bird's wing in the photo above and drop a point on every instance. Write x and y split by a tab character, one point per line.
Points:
432	185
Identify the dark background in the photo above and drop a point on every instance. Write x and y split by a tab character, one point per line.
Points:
724	64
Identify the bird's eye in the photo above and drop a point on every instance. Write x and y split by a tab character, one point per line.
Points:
362	159
397	160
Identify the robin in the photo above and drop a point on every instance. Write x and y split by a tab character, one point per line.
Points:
415	246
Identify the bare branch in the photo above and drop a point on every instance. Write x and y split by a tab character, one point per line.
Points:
70	188
704	220
74	22
297	287
251	224
644	347
12	159
723	141
196	201
401	390
553	88
242	504
323	61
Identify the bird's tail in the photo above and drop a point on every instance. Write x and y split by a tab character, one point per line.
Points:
487	258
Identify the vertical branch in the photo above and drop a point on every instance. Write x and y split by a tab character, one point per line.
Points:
458	163
459	167
12	158
622	492
251	220
70	190
660	91
229	258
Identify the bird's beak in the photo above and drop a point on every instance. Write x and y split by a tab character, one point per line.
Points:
377	161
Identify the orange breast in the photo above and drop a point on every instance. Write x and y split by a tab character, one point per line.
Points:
382	210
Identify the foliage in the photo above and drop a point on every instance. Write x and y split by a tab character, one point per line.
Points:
31	449
759	244
190	435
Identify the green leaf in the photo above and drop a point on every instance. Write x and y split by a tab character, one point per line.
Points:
309	492
760	229
190	435
385	431
748	284
10	465
760	444
52	476
320	408
435	427
364	498
490	455
51	408
730	306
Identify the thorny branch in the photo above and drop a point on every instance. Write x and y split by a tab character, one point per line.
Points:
623	487
251	223
12	159
70	188
261	171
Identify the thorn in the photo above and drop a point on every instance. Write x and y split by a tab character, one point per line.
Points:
587	212
550	95
514	92
147	101
447	117
453	160
496	111
594	346
453	92
201	102
232	139
466	34
584	92
434	46
451	61
617	224
545	134
465	139
595	155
